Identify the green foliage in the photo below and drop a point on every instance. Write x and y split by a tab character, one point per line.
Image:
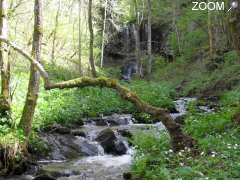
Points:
201	125
10	136
59	73
218	144
231	57
231	98
196	38
149	162
68	106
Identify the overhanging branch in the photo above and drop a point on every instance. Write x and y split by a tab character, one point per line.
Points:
39	67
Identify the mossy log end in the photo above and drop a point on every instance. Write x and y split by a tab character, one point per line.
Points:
179	140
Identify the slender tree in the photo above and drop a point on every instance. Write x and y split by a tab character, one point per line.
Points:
137	39
90	25
103	32
175	27
55	32
5	100
210	34
34	81
149	44
235	26
79	36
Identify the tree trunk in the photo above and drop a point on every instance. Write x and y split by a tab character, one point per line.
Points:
137	40
5	100
55	32
138	49
91	60
175	12
33	86
79	37
235	27
210	35
149	46
103	33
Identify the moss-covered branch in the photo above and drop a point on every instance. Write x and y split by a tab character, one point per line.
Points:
179	139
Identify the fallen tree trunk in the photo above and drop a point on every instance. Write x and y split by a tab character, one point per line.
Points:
179	140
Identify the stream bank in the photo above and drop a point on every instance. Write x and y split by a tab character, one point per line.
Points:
100	149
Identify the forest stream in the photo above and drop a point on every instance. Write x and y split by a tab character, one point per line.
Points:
97	159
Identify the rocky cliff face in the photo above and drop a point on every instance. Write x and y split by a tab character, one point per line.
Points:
121	47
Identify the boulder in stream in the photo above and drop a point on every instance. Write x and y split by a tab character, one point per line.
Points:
111	143
68	146
113	120
77	132
44	177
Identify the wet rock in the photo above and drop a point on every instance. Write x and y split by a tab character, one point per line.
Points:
125	133
67	146
89	148
118	119
62	130
20	168
58	129
110	143
23	177
56	172
79	122
180	119
44	177
78	132
1	165
121	147
113	120
173	110
127	176
97	121
107	138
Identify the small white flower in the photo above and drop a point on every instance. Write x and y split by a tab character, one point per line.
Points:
181	164
180	154
202	153
213	155
170	150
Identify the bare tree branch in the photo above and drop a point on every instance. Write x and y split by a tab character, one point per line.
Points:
39	67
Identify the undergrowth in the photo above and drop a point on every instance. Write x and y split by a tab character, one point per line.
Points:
218	138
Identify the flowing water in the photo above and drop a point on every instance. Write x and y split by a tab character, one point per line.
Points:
101	166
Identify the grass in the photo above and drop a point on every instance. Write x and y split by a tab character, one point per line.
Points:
219	158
